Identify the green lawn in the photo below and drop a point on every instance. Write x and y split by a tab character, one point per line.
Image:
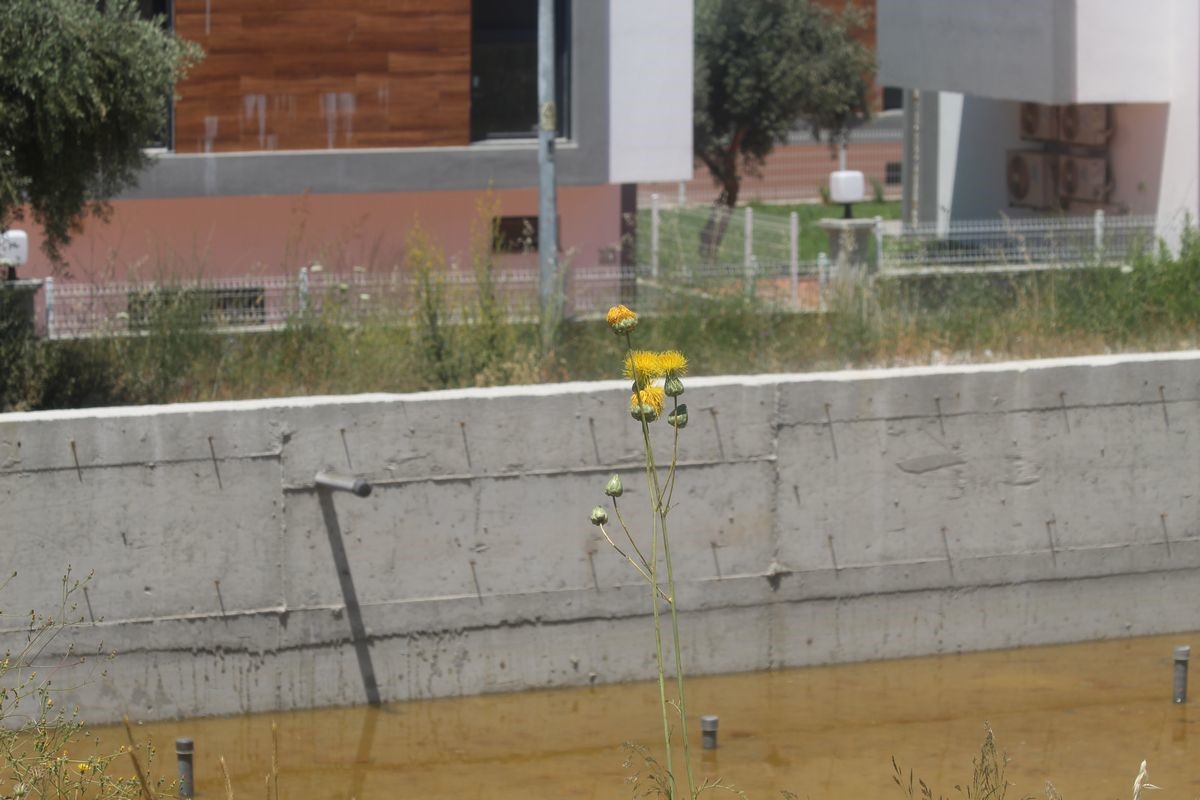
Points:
679	232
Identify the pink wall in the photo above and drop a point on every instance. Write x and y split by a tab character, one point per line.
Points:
1136	155
227	236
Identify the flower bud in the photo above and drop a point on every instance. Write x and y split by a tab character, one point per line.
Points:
679	417
621	319
614	488
599	516
673	387
644	411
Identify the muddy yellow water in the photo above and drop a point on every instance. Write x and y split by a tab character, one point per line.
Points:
1081	716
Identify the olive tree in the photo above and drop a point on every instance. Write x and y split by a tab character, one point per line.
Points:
763	67
84	87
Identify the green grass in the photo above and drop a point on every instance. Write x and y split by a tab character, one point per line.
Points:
1153	306
679	232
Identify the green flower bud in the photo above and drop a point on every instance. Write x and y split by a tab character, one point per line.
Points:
673	387
678	417
614	488
644	411
599	516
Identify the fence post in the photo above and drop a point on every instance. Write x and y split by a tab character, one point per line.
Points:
654	236
748	238
1098	233
302	290
751	277
878	244
794	257
822	279
48	288
682	194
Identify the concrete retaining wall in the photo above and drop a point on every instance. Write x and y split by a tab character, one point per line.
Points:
824	517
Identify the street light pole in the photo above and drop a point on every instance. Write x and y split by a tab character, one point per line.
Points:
547	191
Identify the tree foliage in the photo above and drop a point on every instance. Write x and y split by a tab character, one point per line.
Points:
84	87
763	67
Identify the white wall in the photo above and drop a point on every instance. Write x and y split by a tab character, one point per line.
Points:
1179	194
1123	50
650	90
1045	51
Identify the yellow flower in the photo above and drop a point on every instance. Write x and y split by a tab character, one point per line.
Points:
672	363
83	767
642	366
621	319
647	403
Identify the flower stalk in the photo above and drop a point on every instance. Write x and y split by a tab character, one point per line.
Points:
656	376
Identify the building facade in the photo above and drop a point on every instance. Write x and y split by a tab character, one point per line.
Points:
322	132
1047	107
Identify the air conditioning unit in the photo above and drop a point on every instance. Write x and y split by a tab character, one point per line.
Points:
1031	179
1085	125
1039	123
1083	178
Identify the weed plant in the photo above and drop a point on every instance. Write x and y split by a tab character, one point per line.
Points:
44	749
657	378
455	333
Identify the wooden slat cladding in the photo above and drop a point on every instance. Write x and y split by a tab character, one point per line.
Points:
315	74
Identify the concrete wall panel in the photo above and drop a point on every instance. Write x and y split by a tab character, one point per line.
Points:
818	518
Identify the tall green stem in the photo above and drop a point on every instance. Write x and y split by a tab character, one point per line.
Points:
660	510
683	718
652	482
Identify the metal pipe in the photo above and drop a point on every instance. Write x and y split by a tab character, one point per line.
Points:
547	178
343	483
708	732
1182	653
184	750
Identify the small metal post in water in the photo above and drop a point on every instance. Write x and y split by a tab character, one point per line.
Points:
184	749
708	732
1182	653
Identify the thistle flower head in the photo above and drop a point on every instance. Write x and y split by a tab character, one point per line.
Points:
614	488
642	367
672	363
622	319
647	403
599	516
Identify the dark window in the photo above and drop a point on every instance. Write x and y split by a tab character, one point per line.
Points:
504	68
892	173
515	234
155	8
893	98
163	10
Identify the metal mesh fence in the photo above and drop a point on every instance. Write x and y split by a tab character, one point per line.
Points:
769	260
1062	241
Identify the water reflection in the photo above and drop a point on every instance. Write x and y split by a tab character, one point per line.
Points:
1082	716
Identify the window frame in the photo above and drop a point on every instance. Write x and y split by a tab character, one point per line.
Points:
563	95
